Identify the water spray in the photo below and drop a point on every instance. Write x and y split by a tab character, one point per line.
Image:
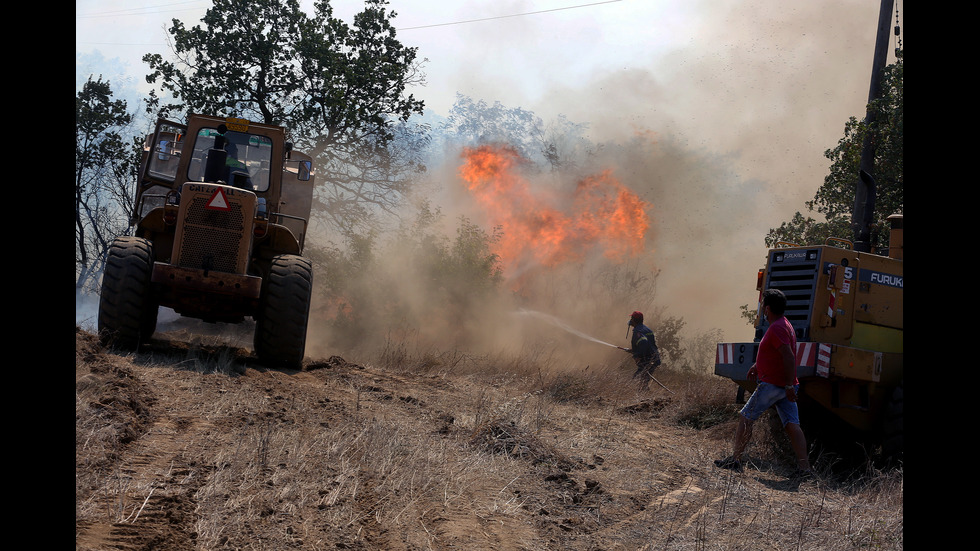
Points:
559	323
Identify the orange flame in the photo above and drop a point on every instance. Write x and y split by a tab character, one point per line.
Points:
546	228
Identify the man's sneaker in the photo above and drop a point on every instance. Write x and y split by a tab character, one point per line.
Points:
729	463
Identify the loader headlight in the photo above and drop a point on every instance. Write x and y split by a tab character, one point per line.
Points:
170	214
260	228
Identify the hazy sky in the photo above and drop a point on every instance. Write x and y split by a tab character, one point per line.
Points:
766	84
525	52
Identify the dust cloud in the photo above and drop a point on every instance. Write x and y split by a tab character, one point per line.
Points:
468	279
735	120
722	136
594	270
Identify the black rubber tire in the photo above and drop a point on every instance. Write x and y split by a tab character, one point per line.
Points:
284	311
127	307
894	426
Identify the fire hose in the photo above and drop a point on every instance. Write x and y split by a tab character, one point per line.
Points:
651	375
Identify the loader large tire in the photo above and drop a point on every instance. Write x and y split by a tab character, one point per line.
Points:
127	306
284	310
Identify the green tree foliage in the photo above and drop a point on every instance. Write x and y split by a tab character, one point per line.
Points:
748	315
340	89
470	266
667	332
559	145
698	354
473	123
835	198
105	163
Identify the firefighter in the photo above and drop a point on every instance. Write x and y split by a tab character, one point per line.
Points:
643	347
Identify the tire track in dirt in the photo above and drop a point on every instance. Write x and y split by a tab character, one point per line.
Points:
148	499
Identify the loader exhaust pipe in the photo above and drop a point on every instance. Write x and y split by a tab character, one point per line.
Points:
896	239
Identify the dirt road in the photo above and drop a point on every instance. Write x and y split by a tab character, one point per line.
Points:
194	446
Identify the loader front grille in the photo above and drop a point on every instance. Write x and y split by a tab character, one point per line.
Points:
212	239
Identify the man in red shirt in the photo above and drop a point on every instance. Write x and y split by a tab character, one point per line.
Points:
775	368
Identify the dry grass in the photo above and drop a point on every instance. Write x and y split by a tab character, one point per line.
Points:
442	450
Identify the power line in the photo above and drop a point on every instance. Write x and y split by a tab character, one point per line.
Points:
169	7
161	8
506	16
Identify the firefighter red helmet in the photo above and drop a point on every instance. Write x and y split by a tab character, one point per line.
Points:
636	317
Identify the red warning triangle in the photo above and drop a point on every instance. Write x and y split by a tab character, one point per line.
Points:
218	201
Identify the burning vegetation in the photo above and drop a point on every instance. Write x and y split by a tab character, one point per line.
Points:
572	246
546	227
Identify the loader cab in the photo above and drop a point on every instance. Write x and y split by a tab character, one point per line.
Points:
239	159
242	154
252	157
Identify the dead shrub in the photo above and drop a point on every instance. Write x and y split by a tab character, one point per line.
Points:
705	416
507	438
570	388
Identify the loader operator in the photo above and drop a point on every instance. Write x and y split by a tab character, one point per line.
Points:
643	347
238	175
775	368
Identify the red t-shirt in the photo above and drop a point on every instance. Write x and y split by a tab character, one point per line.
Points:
769	362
